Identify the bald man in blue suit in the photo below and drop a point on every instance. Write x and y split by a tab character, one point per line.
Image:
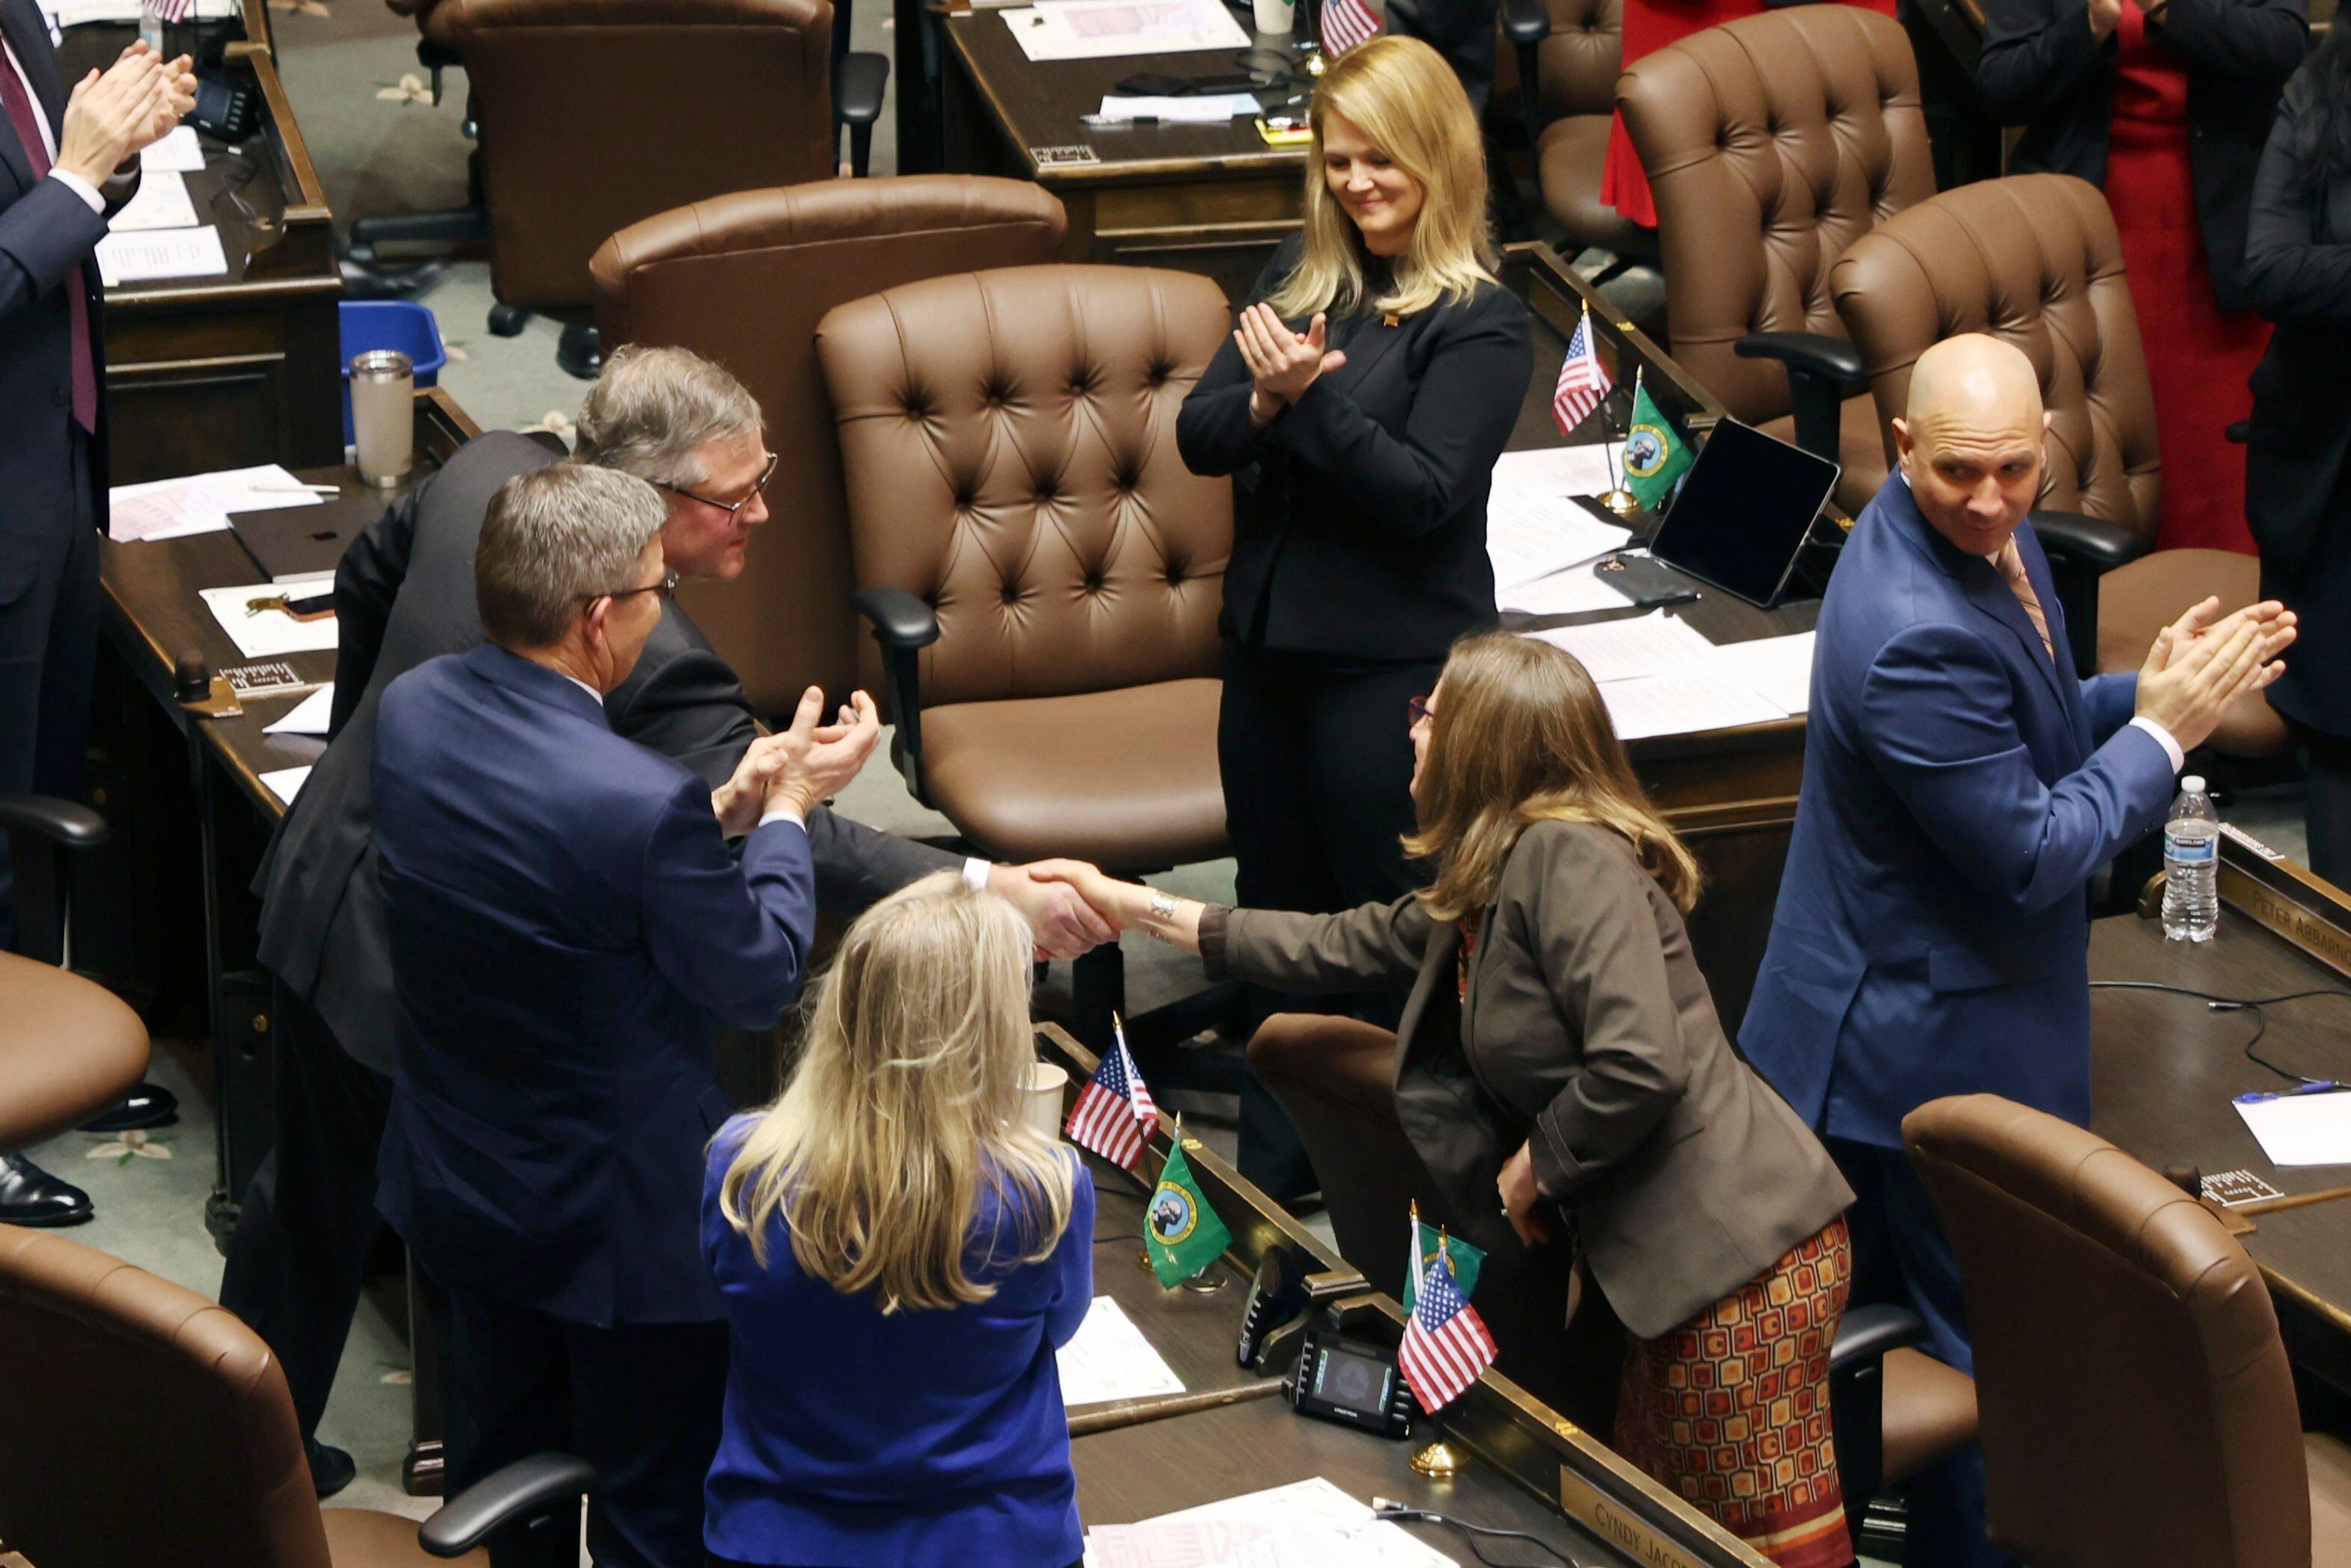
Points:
1962	788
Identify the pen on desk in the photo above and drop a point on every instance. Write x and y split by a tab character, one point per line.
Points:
1112	123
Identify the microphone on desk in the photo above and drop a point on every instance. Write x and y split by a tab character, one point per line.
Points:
192	681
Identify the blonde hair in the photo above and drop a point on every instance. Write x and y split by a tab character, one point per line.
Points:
1403	94
906	1101
1523	737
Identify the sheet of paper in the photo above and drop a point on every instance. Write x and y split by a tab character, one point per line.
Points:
178	152
1103	29
199	503
1307	1525
1630	648
2302	1129
76	13
1585	470
1777	669
1208	108
1569	592
1530	534
158	254
270	633
1689	701
286	782
161	204
1110	1359
309	716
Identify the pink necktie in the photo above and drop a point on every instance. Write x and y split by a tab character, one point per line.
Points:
2011	561
22	116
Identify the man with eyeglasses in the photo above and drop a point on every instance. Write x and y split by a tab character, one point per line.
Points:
405	593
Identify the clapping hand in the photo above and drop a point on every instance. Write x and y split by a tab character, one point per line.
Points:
800	766
2196	670
1281	363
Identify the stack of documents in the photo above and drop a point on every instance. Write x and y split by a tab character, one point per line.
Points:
1659	676
1542	540
156	234
1100	29
200	503
1108	1358
309	716
78	13
2308	1126
266	633
285	782
1208	109
1308	1524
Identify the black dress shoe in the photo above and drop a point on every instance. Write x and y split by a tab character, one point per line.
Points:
31	1196
149	1105
332	1469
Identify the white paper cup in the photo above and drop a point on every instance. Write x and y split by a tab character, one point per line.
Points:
1273	16
1041	1105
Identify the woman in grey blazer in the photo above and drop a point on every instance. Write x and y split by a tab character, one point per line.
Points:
1563	1076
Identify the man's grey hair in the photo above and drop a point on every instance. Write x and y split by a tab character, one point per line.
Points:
652	407
552	540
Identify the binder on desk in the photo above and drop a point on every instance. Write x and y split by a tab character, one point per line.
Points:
296	546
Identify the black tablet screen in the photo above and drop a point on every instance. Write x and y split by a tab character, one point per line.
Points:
1742	514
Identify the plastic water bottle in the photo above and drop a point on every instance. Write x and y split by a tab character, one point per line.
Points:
2191	866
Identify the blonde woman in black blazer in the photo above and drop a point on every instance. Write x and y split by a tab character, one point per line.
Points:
1371	382
1565	1079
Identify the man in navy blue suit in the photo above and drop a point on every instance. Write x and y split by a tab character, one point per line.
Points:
566	923
1962	788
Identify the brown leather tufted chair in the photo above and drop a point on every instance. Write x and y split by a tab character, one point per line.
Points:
1771	143
68	1048
2034	260
2138	1406
1042	571
1896	1410
1568	55
744	279
596	114
140	1423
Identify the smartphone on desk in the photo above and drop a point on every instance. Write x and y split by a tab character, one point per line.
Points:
1645	579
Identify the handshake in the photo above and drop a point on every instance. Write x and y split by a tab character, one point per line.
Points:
1069	906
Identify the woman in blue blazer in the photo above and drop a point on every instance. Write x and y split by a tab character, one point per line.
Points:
900	1256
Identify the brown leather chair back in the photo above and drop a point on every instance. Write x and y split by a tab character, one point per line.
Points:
1579	61
595	113
1335	1077
140	1423
1009	439
744	279
2032	260
2136	1404
1771	143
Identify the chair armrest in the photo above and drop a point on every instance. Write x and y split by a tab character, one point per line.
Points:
903	626
1526	24
1821	370
2081	549
520	1490
1865	1334
858	80
66	823
2094	541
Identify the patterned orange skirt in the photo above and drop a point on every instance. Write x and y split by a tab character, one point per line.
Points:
1731	1410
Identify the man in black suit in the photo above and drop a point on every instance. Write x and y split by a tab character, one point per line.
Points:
403	594
63	160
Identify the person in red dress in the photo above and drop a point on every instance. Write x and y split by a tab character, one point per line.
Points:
1650	26
2165	105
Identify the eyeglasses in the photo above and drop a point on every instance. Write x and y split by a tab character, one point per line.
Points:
1420	712
730	509
665	590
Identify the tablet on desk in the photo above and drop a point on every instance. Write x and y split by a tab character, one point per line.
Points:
1742	516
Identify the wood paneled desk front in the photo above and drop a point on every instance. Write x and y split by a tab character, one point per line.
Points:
221	372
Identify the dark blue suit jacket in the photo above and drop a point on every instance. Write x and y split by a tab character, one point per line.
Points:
1960	789
44	231
565	924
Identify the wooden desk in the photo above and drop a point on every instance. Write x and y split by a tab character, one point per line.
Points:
2166	1069
1529	1468
221	372
194	810
1731	794
1211	199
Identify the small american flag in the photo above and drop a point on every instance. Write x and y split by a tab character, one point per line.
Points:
1115	1110
1345	24
1445	1344
1583	381
173	11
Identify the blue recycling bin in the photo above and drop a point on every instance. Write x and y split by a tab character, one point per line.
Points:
389	324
